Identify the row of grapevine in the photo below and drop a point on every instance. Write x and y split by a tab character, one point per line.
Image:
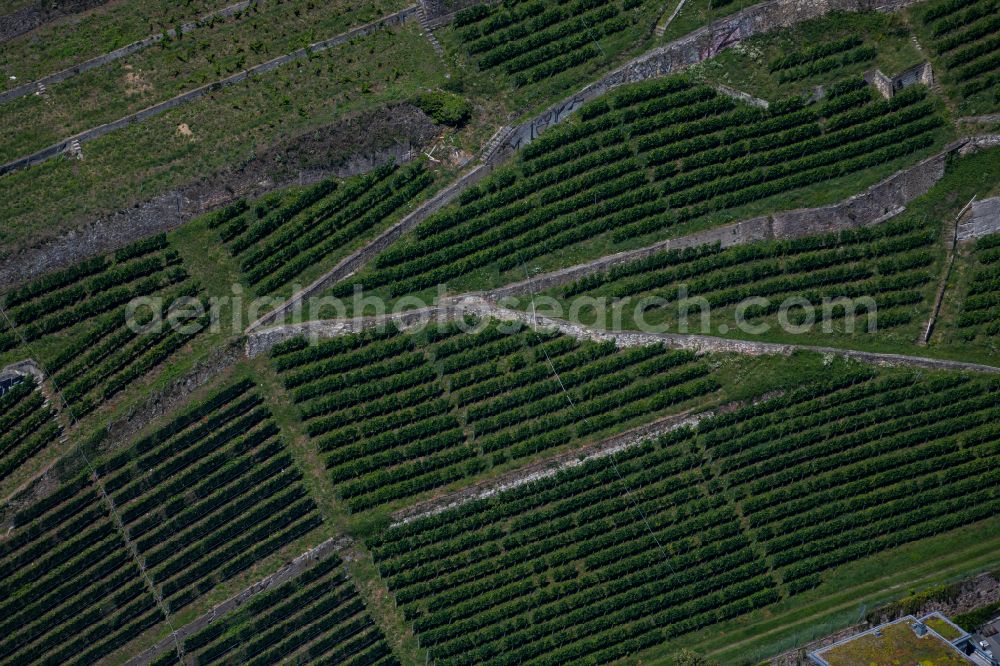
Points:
622	553
824	57
980	314
209	494
890	263
315	618
966	37
71	592
594	564
397	414
88	304
278	238
27	424
647	157
830	477
532	41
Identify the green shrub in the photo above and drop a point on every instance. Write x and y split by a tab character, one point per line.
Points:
444	107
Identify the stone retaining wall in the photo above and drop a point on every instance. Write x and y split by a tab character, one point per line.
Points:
349	265
702	44
169	211
475	305
877	204
286	573
984	219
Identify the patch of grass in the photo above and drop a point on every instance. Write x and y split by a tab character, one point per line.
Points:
228	127
262	31
172	67
898	644
746	66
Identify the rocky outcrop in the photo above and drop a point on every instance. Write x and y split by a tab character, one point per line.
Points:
28	18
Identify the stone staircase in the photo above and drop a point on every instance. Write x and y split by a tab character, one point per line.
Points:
426	28
497	140
74	149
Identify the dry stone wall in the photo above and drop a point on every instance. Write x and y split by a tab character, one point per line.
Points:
983	220
475	305
192	95
702	44
879	203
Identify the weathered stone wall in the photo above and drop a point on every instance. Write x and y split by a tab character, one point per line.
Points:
121	431
881	83
552	466
394	133
350	264
983	220
286	573
477	306
440	12
877	204
28	18
680	54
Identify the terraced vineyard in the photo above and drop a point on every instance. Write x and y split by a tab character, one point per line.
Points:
209	494
836	472
821	58
650	157
592	564
396	414
27	422
889	263
277	238
316	618
87	304
625	552
966	36
980	314
532	41
71	591
202	499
